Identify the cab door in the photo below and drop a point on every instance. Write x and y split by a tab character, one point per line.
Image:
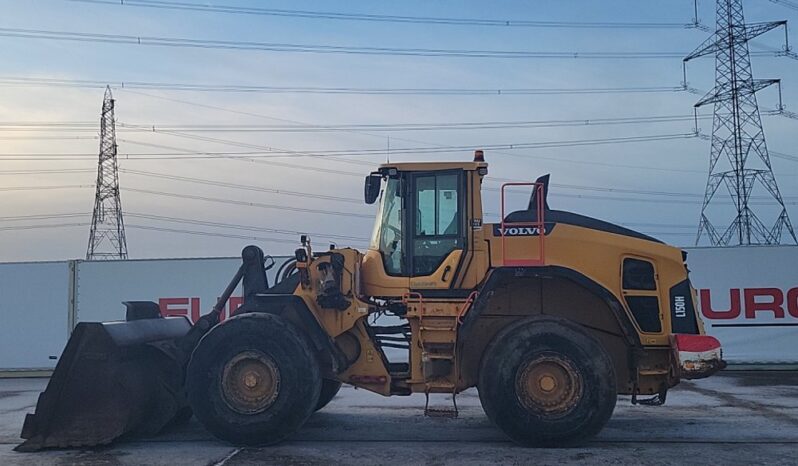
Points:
437	228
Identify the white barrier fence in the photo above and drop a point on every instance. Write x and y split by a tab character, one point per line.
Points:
749	301
748	296
34	313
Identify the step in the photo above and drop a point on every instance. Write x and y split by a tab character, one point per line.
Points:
448	412
437	329
653	371
437	356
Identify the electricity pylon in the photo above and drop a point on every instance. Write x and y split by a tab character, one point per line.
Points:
739	159
107	236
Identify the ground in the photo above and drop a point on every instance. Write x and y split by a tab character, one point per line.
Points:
732	418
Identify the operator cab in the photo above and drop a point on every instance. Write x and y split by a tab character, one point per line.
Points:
421	227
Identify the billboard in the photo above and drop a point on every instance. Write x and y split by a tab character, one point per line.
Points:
181	287
748	298
186	287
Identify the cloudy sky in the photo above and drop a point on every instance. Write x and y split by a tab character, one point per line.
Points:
205	172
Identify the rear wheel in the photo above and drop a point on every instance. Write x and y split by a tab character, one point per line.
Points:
547	382
253	380
329	388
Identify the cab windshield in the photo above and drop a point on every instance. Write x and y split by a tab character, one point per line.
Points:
387	237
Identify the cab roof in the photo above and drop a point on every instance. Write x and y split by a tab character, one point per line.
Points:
433	166
478	162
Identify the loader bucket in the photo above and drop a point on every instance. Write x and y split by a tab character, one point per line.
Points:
113	378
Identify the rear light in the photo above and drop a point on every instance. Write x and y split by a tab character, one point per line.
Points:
698	356
696	343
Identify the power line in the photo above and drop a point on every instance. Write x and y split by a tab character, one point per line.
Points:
325	49
250	157
352	127
295	122
268	117
152	228
434	20
420	150
271	150
358	201
49	138
29	81
242	157
358	174
52	187
62	171
212	234
260	115
16	218
280	153
48	226
207	182
267	229
250	204
56	124
370	217
786	3
243	227
510	146
173	219
404	126
782	155
202	233
428	126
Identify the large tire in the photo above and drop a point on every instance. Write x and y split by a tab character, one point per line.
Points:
329	388
253	380
545	381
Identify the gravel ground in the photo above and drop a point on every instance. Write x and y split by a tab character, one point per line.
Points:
732	418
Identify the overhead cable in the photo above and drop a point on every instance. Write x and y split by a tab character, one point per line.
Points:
433	20
123	39
32	81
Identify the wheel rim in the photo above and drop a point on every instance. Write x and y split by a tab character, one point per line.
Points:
250	382
549	385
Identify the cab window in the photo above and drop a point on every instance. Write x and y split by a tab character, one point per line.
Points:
438	220
388	237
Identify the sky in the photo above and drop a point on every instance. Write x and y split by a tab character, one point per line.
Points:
214	205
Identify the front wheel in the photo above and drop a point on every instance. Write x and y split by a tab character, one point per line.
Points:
253	380
547	382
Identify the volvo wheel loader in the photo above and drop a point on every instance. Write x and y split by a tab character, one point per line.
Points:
549	314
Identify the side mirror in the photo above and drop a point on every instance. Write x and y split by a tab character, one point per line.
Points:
371	189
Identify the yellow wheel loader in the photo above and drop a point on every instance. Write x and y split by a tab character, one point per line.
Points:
549	314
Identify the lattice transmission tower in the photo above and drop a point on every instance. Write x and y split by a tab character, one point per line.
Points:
107	236
739	160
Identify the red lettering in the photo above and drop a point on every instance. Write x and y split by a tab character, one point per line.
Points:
169	306
195	309
752	306
191	307
792	302
734	308
234	303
